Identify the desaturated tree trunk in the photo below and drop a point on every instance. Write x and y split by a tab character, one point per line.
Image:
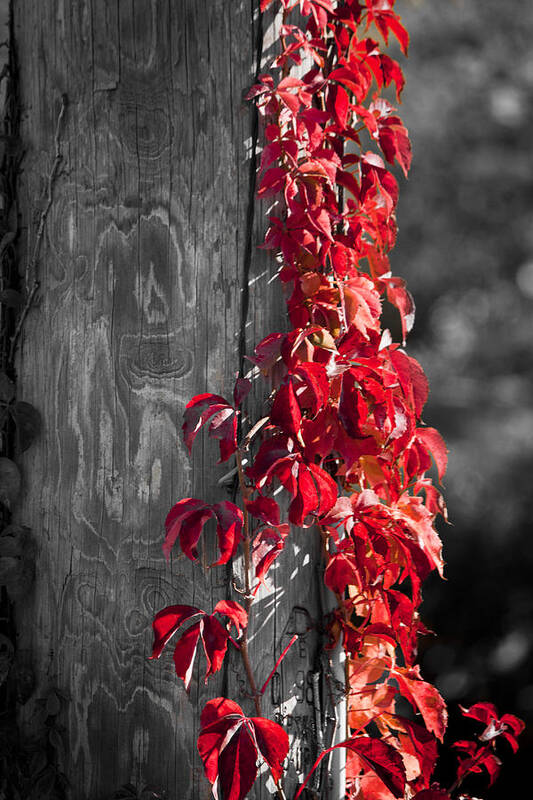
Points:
149	244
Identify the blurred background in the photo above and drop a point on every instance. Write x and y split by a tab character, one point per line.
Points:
465	247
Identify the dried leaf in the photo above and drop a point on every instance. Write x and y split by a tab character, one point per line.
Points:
10	482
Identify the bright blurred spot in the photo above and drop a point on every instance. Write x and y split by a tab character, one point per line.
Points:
508	105
453	685
510	652
524	279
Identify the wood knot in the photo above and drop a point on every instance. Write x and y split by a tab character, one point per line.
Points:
153	359
144	123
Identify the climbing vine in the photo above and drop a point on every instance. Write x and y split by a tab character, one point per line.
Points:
31	763
344	435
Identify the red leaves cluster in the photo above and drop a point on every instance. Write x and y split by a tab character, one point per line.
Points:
343	437
371	757
231	743
481	755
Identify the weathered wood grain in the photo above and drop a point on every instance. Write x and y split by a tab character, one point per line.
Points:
142	270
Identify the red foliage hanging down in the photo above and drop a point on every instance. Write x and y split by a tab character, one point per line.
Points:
344	436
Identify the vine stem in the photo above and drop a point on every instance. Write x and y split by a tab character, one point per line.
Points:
473	763
31	267
248	597
248	601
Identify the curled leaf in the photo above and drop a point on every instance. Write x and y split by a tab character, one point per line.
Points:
267	546
11	298
10	482
186	521
7	388
219	413
28	422
373	756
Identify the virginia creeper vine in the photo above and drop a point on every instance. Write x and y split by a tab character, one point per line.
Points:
344	435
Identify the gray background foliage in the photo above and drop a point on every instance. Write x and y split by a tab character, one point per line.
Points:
466	248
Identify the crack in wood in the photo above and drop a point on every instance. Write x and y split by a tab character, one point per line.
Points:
252	180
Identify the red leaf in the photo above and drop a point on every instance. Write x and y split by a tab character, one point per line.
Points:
230	743
184	653
341	258
187	518
417	741
383	760
229	529
326	488
362	304
312	489
267	546
353	410
200	410
315	377
412	379
349	78
319	434
488	714
483	712
306	497
376	756
339	103
433	441
425	697
474	759
516	724
235	613
241	390
213	634
285	412
341	571
267	351
289	99
393	23
223	426
272	743
273	181
395	143
264	508
215	642
346	179
386	71
237	768
419	521
290	82
400	297
167	622
380	12
214	722
193	512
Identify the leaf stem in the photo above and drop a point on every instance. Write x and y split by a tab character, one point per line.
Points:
278	662
473	761
248	600
248	597
32	265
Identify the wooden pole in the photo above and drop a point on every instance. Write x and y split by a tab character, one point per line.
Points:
145	260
